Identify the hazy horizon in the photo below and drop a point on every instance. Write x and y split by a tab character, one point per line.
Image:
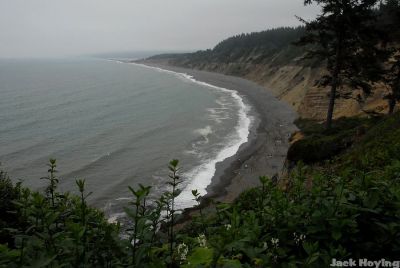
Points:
48	28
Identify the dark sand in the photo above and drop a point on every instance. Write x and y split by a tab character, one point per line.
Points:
265	152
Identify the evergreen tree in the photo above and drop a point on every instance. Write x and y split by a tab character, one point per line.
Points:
393	81
389	21
389	18
343	36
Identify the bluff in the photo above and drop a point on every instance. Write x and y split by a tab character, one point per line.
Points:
271	59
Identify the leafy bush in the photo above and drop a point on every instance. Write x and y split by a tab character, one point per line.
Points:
56	229
316	148
321	144
348	208
379	146
8	193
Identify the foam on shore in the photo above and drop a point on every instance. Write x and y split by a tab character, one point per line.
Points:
201	176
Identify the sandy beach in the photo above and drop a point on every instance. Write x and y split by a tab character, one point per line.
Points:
265	152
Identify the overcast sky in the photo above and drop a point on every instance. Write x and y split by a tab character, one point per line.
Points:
36	28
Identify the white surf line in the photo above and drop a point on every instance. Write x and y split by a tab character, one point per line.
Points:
202	175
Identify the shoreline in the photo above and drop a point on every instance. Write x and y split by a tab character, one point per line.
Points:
264	153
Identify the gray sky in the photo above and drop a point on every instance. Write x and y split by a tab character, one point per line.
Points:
36	28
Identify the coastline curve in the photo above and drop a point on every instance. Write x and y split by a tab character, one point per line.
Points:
201	176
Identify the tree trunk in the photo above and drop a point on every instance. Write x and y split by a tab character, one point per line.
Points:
335	82
395	93
392	104
331	107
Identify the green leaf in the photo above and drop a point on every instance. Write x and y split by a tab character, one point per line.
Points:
313	258
200	256
336	234
372	200
43	261
226	263
174	163
310	248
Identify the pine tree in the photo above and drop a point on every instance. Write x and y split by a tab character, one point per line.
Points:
390	21
393	81
343	36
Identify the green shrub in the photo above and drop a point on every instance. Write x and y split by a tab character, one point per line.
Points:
317	148
347	208
8	195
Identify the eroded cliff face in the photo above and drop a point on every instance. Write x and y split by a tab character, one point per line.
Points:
295	84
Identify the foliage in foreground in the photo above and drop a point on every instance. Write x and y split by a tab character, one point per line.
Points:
346	208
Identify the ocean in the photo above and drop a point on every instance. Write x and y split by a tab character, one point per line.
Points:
115	125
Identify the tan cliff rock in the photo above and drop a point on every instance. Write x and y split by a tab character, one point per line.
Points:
295	84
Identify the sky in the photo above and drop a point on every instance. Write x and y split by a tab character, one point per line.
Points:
53	28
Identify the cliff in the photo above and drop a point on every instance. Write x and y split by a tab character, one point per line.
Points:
270	59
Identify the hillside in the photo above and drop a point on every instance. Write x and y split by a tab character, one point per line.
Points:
270	59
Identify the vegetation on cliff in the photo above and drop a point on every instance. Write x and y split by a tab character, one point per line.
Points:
272	46
347	206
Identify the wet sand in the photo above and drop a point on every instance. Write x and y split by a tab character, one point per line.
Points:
265	152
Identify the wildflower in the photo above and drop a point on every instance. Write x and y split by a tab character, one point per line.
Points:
202	240
275	242
183	250
228	227
298	238
265	245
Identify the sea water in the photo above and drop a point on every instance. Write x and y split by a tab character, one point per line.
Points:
115	125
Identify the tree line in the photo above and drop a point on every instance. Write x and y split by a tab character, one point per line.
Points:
357	41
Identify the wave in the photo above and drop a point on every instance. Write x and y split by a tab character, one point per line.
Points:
114	218
218	114
101	159
123	198
201	176
204	133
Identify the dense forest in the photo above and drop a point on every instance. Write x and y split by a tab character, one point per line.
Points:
276	45
257	47
292	61
338	199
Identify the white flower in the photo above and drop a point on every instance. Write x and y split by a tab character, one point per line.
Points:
275	242
202	240
298	239
183	250
228	227
265	245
